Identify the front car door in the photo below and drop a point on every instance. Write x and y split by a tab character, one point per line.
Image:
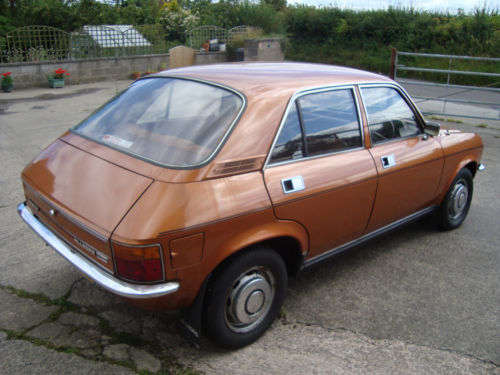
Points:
319	172
409	162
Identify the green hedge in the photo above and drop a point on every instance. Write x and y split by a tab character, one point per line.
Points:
364	39
361	39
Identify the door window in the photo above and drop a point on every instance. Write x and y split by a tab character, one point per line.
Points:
389	115
319	123
330	121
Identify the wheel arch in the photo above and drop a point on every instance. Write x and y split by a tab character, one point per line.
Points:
289	247
456	203
472	167
470	163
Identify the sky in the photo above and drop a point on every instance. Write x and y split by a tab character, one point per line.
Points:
451	6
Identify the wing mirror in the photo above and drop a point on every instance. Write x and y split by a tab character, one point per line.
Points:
432	128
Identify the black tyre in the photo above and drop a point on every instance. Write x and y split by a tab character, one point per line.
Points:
456	203
244	297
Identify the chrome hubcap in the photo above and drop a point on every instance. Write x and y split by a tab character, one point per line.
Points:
249	299
459	198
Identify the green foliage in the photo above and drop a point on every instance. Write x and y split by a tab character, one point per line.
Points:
176	21
328	34
72	15
276	4
229	13
48	13
364	39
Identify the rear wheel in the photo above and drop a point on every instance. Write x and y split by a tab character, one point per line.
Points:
456	203
245	297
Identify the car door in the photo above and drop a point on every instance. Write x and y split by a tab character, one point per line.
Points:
409	162
319	172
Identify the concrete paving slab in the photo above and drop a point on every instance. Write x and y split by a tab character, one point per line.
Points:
87	294
22	357
18	314
118	352
297	349
144	361
63	336
71	318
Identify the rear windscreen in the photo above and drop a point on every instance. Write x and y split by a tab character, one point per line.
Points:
170	121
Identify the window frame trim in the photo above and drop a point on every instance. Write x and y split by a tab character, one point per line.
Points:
293	101
406	98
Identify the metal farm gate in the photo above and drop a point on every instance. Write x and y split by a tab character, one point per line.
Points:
439	83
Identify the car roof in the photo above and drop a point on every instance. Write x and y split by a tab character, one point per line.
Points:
283	78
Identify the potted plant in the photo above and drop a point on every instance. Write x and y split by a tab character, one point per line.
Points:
58	78
136	75
7	82
151	70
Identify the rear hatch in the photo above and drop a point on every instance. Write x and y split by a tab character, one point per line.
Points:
81	197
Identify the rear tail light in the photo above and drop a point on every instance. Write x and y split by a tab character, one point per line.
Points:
139	263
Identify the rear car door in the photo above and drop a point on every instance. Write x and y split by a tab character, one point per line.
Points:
319	172
409	162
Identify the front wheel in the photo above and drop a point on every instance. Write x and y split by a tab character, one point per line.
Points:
245	297
456	203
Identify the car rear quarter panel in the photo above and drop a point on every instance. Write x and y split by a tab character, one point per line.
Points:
229	213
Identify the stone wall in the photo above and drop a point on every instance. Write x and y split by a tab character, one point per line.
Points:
36	73
264	49
81	71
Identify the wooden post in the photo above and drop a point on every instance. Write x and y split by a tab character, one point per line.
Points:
392	68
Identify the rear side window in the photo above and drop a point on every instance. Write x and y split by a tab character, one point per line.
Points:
170	121
389	115
290	143
330	121
319	123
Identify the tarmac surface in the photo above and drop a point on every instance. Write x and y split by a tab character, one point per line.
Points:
418	301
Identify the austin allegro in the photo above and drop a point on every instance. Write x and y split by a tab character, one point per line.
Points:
205	188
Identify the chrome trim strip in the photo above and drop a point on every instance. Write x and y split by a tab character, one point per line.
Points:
336	251
481	167
102	278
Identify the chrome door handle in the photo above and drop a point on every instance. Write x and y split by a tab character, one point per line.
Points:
293	184
388	161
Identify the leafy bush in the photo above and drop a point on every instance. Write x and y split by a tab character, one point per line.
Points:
364	39
176	21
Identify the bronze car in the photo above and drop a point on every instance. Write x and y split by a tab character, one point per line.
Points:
204	188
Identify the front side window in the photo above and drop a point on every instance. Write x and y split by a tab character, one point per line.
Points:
170	121
389	115
319	123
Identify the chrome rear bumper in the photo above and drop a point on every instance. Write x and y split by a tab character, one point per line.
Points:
93	272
